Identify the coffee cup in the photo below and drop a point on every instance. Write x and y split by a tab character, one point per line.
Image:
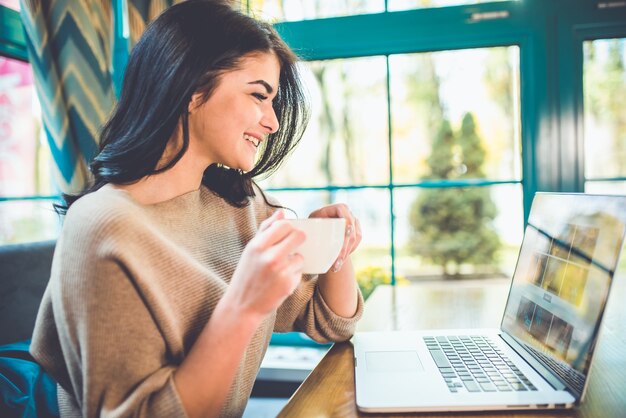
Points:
324	239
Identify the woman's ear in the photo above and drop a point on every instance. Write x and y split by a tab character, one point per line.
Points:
194	102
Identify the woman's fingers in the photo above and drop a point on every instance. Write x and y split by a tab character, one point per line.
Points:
274	232
352	236
351	232
358	235
287	245
276	244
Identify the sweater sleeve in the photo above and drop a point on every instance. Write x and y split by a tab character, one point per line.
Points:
306	311
113	356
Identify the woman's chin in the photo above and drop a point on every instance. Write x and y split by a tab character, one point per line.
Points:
248	167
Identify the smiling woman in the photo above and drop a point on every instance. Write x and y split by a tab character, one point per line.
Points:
168	78
173	258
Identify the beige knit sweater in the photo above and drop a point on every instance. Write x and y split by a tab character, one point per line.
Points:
131	288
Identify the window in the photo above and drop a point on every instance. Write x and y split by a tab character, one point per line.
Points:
604	74
372	143
293	10
25	159
456	118
26	185
349	120
345	155
11	4
433	89
398	94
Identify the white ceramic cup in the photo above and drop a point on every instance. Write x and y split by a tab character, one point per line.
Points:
324	239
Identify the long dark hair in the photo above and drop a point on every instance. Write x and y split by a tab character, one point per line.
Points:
183	52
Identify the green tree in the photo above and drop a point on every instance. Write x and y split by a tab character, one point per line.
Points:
441	159
453	226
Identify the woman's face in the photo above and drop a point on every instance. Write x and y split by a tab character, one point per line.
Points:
238	116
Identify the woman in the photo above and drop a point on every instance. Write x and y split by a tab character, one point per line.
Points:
171	272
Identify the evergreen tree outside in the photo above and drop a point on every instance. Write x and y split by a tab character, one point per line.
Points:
453	226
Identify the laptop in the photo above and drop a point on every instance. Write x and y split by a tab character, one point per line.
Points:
541	356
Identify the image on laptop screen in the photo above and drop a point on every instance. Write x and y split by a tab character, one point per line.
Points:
560	287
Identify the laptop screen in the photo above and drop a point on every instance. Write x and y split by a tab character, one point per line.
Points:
569	254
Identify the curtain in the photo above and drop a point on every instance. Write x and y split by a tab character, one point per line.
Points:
71	50
142	12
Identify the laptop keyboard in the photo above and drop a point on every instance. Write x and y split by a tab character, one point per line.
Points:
475	364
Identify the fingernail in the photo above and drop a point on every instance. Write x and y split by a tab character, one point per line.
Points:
338	265
349	230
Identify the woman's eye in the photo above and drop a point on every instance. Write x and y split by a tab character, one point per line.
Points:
259	96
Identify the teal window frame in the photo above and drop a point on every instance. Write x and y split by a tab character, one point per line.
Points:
582	28
550	35
12	39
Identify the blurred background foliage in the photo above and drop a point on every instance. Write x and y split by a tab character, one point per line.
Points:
370	277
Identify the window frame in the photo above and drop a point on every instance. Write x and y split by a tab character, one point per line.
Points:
550	36
417	31
581	28
12	39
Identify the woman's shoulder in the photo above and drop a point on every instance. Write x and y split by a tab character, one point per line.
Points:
102	209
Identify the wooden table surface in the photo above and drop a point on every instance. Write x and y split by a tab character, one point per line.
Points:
329	390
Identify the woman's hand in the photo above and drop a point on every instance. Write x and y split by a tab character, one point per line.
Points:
353	230
269	269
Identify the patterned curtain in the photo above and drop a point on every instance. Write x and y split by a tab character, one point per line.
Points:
70	46
142	12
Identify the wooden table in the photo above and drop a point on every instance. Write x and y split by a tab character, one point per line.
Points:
329	390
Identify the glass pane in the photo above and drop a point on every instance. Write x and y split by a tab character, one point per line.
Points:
11	4
372	261
346	140
27	221
25	158
456	114
469	232
606	187
604	84
394	5
290	10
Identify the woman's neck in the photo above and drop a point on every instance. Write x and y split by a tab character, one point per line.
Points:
185	176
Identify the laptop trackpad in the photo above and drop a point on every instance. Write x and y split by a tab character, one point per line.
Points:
393	361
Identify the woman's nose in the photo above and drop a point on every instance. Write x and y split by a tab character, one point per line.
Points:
270	121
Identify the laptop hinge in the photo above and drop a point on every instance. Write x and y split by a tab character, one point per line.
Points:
545	372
